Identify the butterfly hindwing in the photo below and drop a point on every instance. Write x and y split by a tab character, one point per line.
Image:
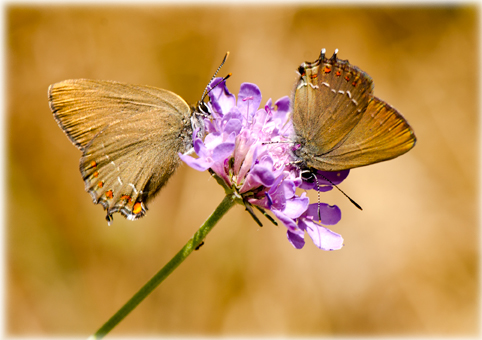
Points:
329	100
125	165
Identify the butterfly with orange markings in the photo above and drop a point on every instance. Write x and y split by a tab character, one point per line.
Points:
339	124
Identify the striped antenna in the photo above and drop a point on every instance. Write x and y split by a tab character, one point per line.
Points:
214	76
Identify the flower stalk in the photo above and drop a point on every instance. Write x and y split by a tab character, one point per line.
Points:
227	203
245	149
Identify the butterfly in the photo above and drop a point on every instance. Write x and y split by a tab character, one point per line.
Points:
130	137
338	123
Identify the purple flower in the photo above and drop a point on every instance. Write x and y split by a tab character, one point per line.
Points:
248	149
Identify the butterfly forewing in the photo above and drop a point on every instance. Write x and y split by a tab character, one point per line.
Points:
130	137
381	134
83	107
329	100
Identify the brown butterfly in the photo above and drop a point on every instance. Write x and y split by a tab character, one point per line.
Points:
339	124
129	135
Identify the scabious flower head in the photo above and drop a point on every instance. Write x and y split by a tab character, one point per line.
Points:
247	148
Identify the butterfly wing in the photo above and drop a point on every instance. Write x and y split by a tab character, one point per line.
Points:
130	137
338	122
328	103
381	134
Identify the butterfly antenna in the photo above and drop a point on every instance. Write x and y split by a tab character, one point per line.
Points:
319	199
277	142
214	76
219	83
352	201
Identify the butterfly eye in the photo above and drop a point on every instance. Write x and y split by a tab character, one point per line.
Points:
307	176
202	107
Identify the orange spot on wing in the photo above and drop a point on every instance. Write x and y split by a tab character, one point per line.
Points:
100	184
95	174
313	76
126	197
338	73
347	77
137	208
109	194
354	83
93	164
327	69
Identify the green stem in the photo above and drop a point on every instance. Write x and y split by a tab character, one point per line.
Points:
194	242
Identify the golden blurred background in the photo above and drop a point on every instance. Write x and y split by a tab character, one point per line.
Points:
410	262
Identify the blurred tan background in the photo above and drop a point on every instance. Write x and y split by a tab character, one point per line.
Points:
410	262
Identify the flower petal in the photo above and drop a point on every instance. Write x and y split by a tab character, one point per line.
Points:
223	151
233	125
220	97
297	240
283	107
329	214
287	221
324	238
296	206
249	98
262	175
199	164
336	177
200	148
